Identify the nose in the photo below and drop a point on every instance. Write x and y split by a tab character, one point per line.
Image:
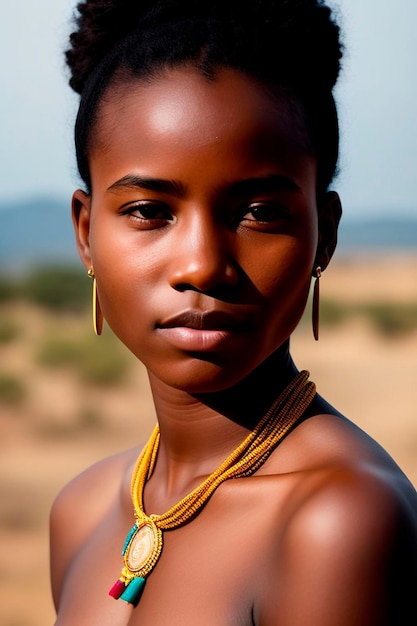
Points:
204	258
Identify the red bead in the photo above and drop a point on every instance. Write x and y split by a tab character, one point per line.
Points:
117	589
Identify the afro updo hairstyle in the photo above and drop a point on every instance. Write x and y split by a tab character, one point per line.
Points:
292	46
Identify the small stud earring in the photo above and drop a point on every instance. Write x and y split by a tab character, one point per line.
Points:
316	303
97	314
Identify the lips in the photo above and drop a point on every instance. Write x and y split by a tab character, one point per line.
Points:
202	331
203	320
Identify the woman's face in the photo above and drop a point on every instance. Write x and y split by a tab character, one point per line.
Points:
201	226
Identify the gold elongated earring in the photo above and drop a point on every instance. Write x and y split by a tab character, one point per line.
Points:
316	303
97	314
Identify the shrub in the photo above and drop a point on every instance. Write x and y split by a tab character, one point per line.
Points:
332	312
103	362
58	288
97	361
12	390
90	419
9	330
391	319
9	290
58	352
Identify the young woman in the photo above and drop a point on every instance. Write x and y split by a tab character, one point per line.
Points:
207	140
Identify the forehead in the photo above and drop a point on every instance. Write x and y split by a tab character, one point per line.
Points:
181	111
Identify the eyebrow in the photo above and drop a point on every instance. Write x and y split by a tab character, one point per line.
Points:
263	184
249	186
134	181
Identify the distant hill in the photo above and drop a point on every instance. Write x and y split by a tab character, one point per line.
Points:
36	231
378	233
40	231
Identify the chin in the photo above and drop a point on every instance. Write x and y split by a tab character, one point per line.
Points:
200	376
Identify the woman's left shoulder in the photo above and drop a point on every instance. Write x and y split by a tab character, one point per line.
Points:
347	495
351	474
348	548
355	501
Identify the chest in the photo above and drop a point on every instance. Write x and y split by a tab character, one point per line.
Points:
207	573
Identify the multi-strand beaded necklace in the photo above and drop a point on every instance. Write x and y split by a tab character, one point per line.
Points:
144	541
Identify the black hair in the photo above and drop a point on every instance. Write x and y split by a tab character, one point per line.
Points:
292	45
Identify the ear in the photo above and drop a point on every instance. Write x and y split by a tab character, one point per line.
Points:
329	214
81	206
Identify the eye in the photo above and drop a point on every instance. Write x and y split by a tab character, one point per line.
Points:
148	214
264	212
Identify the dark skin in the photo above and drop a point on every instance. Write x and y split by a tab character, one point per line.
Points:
204	199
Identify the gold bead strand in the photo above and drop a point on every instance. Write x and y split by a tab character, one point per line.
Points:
246	458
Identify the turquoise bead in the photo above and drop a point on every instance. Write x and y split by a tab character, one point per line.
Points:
133	591
128	538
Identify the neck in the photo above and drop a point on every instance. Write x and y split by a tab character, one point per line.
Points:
199	431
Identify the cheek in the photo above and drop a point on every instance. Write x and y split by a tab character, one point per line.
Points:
289	296
128	309
123	287
284	278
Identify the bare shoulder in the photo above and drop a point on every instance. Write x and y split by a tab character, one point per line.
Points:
348	550
351	504
80	507
351	486
86	491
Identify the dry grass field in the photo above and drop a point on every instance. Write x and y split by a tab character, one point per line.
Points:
54	425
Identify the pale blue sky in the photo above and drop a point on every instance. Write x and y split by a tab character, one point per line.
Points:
377	103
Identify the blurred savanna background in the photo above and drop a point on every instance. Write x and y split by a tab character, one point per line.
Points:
68	398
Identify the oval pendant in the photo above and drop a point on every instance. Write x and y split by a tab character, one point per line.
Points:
144	548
